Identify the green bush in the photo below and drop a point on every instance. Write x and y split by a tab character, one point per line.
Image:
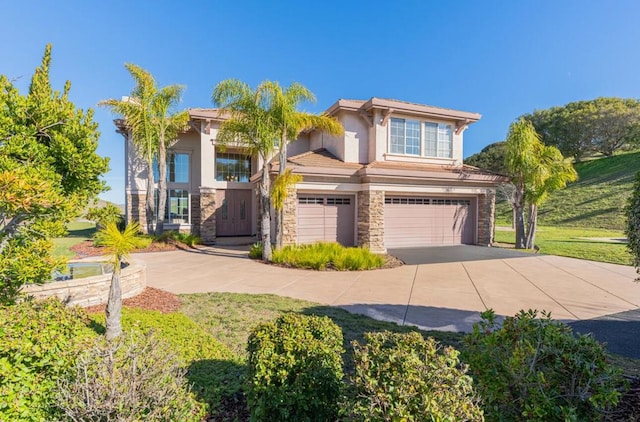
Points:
295	369
534	368
102	216
136	377
185	238
403	377
255	252
39	342
632	231
323	255
212	367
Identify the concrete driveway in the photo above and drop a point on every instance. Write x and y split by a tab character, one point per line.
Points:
439	288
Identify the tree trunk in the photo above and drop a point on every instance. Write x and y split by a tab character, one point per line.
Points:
532	224
114	306
265	213
151	202
518	207
162	186
281	170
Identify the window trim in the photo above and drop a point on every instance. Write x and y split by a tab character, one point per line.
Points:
423	138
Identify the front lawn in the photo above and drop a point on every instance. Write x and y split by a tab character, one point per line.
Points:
591	244
79	231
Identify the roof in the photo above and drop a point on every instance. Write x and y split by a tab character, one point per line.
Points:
403	107
320	158
208	114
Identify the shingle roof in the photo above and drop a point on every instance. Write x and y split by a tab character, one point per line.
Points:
320	158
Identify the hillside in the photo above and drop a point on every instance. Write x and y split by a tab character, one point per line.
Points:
595	200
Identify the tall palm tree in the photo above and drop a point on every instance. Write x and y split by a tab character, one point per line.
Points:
118	245
153	128
283	105
251	126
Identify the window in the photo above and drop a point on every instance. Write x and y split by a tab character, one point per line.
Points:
405	137
178	206
232	167
408	136
177	168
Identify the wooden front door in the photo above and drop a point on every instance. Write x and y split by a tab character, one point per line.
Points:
233	212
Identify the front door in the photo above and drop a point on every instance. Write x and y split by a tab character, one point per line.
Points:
233	212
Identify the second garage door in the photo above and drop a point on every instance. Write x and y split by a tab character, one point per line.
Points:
427	221
327	218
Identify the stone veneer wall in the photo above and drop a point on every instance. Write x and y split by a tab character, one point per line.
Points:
207	215
290	220
195	214
91	291
136	209
486	217
371	220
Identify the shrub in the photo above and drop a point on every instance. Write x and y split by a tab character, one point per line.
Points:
255	252
39	344
322	255
405	377
105	215
185	238
135	377
212	367
535	368
295	369
632	231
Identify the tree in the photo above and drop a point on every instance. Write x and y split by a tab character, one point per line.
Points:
536	170
153	126
290	123
602	125
252	126
118	245
490	158
633	224
49	171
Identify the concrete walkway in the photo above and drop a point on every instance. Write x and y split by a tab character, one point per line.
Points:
446	296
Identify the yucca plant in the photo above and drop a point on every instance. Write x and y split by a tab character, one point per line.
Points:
118	245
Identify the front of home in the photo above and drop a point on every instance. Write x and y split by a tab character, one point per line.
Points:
395	178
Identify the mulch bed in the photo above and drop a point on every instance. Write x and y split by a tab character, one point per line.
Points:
86	248
150	299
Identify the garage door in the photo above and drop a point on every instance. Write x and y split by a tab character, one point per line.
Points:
427	221
326	218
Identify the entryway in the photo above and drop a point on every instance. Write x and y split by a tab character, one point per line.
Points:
233	212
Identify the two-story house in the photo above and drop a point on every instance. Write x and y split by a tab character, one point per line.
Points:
394	179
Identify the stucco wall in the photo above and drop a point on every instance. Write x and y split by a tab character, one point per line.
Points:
91	291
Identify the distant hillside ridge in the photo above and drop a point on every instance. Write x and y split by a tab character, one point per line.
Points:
596	200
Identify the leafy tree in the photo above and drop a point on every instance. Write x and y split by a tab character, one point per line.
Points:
283	105
154	126
103	215
536	170
281	187
602	125
49	171
118	245
490	158
633	224
252	126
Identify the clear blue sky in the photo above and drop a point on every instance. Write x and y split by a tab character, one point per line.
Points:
500	59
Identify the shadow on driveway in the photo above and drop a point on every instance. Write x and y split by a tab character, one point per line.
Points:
620	331
458	253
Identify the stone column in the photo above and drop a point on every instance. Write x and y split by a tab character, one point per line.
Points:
195	214
208	215
290	218
371	220
136	208
486	217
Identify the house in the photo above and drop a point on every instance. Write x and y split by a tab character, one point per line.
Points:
395	178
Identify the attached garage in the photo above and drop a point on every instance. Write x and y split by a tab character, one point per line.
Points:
328	218
428	221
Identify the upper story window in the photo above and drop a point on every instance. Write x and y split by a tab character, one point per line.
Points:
411	137
177	168
232	167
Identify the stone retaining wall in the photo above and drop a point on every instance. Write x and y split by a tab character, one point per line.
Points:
91	291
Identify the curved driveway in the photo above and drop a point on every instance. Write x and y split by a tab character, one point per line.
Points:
439	288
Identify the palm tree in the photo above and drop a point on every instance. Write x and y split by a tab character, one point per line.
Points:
147	115
283	105
536	170
251	126
118	245
135	109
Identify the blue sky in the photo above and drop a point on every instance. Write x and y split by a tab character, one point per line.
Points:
498	58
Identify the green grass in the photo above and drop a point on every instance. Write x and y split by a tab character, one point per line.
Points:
595	200
79	231
575	243
323	255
